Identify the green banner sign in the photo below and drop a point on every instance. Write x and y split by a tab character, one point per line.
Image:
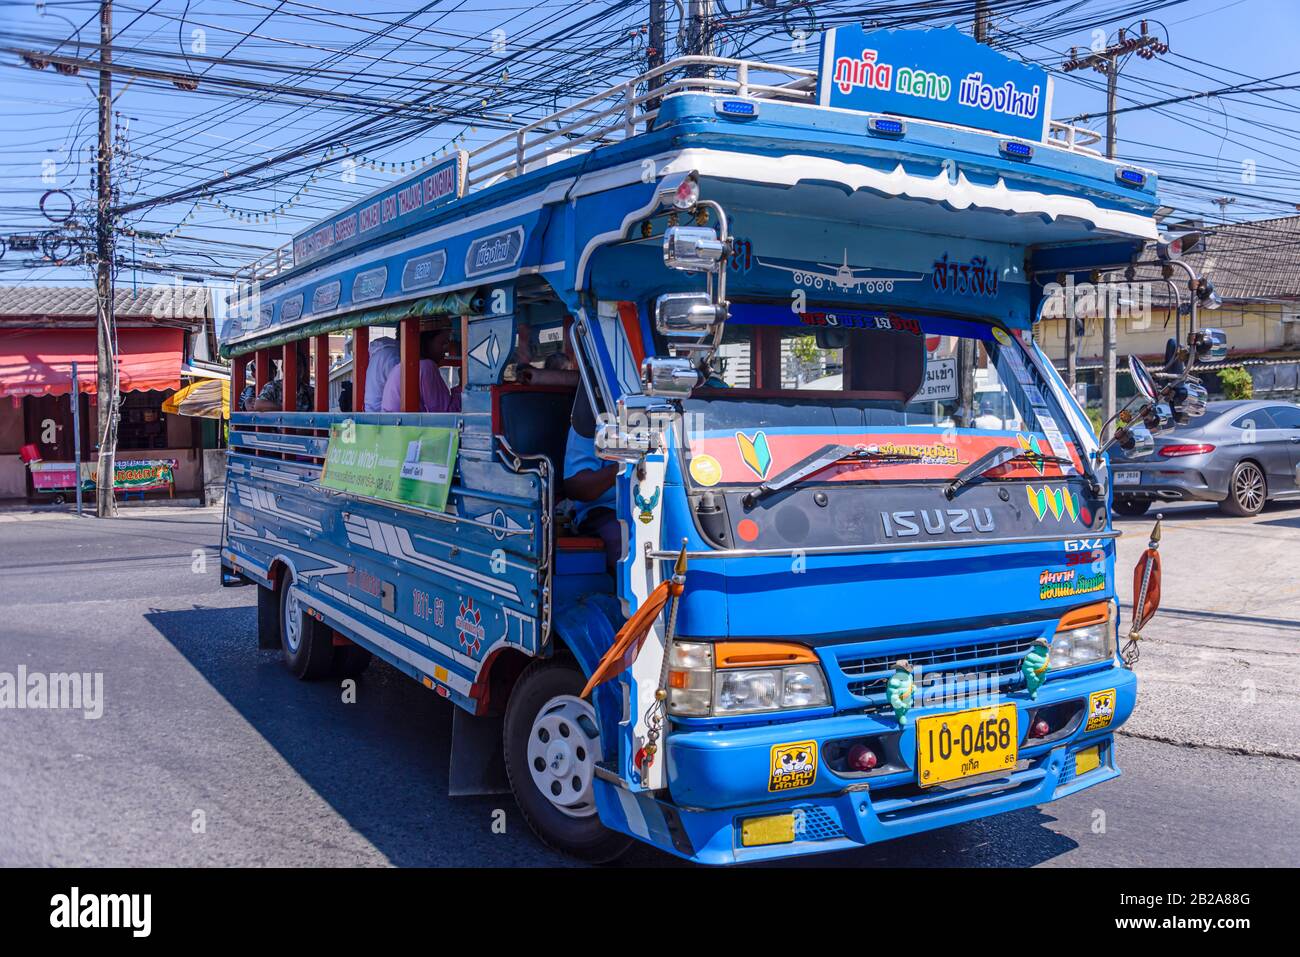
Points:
408	465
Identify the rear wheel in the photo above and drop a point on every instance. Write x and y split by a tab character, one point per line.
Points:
1132	506
552	744
1247	490
307	644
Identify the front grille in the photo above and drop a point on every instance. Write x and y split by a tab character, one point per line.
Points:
815	824
966	669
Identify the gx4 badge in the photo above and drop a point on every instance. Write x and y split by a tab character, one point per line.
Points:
1101	709
793	766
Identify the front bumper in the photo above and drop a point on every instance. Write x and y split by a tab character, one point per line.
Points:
719	778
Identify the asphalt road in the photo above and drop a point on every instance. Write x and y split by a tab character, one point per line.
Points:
208	753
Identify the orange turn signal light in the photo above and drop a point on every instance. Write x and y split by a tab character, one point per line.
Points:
761	654
1095	614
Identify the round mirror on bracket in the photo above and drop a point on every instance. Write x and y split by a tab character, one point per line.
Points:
1142	377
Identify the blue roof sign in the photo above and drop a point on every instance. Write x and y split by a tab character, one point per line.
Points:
385	212
941	75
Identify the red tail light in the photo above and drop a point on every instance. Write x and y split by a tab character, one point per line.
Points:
1173	451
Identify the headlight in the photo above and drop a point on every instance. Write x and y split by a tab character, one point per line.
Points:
1084	637
704	679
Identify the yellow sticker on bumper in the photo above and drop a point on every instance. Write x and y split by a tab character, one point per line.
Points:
1101	709
793	766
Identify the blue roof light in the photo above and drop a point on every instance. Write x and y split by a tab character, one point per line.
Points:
1016	149
886	126
1130	177
741	109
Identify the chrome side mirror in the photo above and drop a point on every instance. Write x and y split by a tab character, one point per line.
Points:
1211	345
688	315
669	377
1142	377
1158	417
1136	441
618	444
1188	401
693	249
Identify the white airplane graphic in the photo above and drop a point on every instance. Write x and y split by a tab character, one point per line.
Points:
845	277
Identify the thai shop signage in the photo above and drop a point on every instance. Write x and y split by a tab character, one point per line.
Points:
391	209
942	75
403	464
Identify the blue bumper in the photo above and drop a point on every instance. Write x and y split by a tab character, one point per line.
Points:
720	778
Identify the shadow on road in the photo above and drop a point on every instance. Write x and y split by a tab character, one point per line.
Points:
382	762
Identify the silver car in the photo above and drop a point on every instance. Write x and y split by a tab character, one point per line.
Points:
1239	454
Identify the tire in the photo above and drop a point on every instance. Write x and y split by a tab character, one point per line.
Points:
545	716
307	644
350	661
1247	491
1132	506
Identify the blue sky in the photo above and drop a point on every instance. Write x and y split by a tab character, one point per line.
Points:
170	137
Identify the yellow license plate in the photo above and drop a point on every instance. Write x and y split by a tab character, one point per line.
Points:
966	743
776	829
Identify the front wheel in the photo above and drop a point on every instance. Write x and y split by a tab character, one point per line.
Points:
552	744
1247	491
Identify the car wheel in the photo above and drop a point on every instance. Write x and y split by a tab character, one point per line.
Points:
1247	490
1132	506
552	744
307	644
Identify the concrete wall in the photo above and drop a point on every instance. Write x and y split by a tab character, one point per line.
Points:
13	477
13	474
1251	329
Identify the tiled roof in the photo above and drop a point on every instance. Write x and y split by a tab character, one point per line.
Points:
168	301
1255	260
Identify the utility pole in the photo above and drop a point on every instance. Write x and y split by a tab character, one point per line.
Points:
1223	202
106	368
1106	61
981	27
655	51
699	34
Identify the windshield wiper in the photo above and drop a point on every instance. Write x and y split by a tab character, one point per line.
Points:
991	460
824	458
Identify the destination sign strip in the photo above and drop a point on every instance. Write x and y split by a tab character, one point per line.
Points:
393	208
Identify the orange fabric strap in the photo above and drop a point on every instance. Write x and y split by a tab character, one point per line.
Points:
631	636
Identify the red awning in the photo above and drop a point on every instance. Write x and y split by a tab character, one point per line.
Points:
39	361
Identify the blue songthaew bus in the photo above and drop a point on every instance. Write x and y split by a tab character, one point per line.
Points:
746	516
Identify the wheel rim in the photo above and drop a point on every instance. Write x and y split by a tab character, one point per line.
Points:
292	619
1249	488
562	749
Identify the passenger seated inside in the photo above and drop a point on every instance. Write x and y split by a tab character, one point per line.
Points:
385	356
271	398
434	394
556	368
589	482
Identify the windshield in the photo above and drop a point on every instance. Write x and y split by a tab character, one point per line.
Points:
932	392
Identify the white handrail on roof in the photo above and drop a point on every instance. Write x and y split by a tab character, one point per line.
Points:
617	113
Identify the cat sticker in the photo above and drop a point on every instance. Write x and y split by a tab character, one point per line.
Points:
793	766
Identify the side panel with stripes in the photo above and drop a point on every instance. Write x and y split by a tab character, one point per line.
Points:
436	593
